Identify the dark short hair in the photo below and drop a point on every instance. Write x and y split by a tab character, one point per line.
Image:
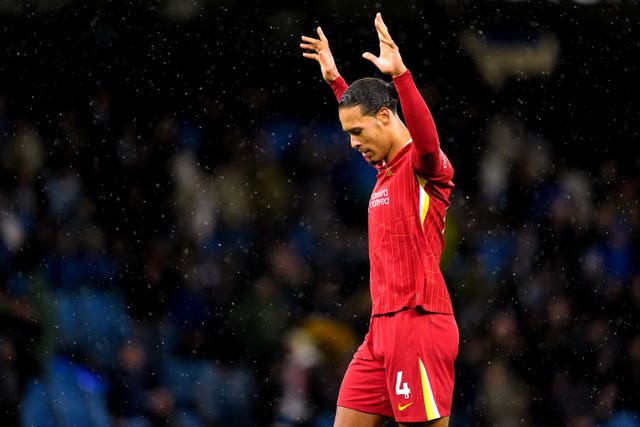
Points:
371	94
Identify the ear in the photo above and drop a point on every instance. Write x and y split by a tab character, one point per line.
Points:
383	116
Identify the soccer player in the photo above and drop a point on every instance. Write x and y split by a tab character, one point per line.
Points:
404	368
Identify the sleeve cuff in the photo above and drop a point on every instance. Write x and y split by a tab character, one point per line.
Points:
338	86
403	77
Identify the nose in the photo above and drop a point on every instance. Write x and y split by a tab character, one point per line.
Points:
355	143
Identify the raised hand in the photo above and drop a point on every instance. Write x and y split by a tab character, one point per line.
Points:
389	61
318	49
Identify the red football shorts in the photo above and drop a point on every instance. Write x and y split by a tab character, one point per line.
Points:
404	367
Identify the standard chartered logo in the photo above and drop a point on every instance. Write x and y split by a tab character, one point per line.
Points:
379	198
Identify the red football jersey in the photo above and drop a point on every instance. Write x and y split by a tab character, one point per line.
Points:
407	212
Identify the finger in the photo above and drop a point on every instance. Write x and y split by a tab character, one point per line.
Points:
311	55
310	39
307	47
380	25
321	34
370	56
385	38
388	41
383	30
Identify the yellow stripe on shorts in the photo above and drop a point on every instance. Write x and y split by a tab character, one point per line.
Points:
429	402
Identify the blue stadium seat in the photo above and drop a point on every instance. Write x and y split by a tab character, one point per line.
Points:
68	395
195	383
36	410
91	322
77	395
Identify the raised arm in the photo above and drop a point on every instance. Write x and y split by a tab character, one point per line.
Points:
428	158
318	50
416	114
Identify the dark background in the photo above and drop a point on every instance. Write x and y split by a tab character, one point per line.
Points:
62	56
108	297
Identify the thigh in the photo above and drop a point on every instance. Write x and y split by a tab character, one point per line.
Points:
440	422
346	417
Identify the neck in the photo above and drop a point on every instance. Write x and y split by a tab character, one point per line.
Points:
400	137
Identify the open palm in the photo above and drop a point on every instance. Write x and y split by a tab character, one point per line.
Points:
389	61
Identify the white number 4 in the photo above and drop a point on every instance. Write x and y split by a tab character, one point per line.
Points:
402	388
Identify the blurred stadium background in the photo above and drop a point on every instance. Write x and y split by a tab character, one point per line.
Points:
183	224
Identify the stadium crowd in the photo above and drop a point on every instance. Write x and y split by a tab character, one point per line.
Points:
204	263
